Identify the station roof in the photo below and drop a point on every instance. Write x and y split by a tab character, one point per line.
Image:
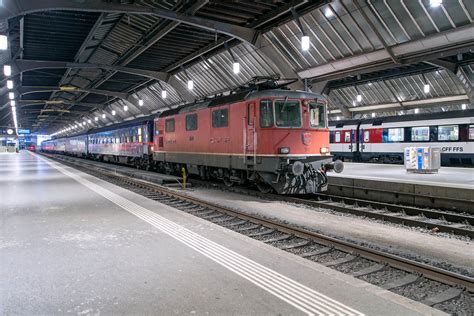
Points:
77	60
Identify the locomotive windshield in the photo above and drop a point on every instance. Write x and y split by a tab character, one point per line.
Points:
287	113
316	115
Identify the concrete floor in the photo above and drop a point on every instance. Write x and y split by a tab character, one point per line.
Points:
446	176
73	244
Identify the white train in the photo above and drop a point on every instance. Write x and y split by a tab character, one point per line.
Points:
384	139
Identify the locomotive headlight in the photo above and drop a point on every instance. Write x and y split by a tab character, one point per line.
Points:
284	150
324	150
152	148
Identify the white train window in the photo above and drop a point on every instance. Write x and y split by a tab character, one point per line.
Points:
449	132
395	134
347	137
420	134
337	136
366	136
471	132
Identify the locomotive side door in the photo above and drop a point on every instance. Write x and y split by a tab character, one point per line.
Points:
251	137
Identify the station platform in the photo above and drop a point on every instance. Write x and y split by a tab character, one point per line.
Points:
450	188
72	243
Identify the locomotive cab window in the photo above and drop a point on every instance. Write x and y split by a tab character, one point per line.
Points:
420	134
191	122
395	135
316	115
449	132
287	113
220	118
169	125
266	113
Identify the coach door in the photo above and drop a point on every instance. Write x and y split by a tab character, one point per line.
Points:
251	136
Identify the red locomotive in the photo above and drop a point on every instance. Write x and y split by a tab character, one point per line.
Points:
275	138
264	134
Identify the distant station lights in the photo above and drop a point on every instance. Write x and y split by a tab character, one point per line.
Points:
125	108
103	116
7	70
10	84
11	95
426	88
305	42
114	112
3	42
140	102
164	94
190	84
236	67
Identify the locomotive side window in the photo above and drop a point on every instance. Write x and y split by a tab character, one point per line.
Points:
449	132
191	122
288	113
395	135
337	137
316	115
266	113
169	125
420	134
471	132
220	118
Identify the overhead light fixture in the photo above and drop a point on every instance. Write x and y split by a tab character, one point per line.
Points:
426	88
338	118
125	108
417	111
140	102
10	84
435	3
236	67
96	118
164	94
7	70
463	106
373	114
328	12
11	95
89	121
113	112
84	123
13	102
103	116
305	42
359	98
3	42
190	85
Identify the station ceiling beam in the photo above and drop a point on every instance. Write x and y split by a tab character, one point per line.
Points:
13	8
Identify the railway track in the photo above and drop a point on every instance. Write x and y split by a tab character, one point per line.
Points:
448	291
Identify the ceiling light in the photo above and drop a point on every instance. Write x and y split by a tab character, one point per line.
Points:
13	108
164	94
89	121
236	67
125	107
113	112
10	84
359	97
96	118
373	114
338	118
11	95
140	102
190	84
84	123
463	106
103	116
13	102
7	70
3	42
435	3
426	88
328	13
417	111
305	42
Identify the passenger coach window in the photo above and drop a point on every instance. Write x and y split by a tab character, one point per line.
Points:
347	137
337	138
219	118
420	134
169	125
191	122
395	134
316	115
450	132
471	132
266	113
288	113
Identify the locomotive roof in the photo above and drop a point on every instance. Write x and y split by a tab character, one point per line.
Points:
242	96
405	118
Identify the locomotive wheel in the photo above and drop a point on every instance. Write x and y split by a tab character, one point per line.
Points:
264	187
227	182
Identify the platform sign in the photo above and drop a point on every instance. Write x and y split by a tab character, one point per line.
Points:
23	131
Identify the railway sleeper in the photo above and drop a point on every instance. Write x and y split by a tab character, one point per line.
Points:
404	281
449	294
345	259
371	269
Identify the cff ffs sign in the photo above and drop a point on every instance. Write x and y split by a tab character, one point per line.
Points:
458	149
